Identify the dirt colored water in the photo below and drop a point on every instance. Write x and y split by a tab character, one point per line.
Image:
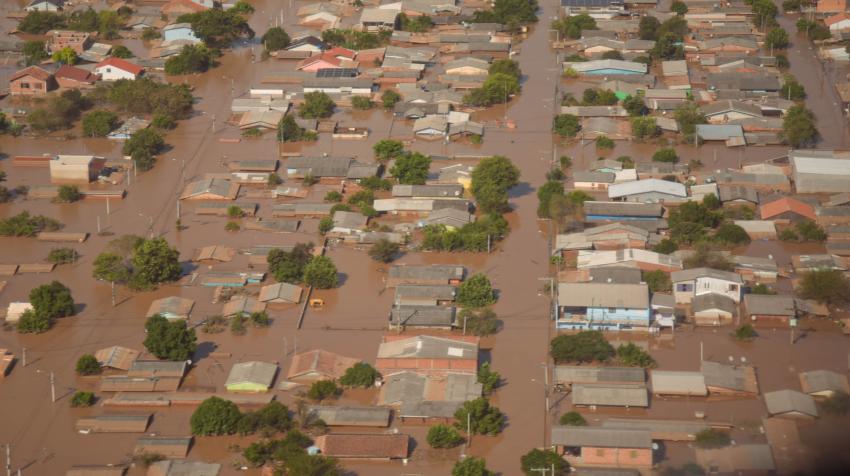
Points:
41	433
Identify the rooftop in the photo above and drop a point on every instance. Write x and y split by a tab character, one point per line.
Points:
578	436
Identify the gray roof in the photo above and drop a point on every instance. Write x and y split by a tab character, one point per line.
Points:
449	217
157	368
719	131
772	305
737	192
352	416
320	166
351	220
631	296
599	177
705	302
423	316
284	291
673	382
636	187
730	377
663	301
659	429
570	374
185	468
219	187
617	395
623	209
615	275
261	373
746	82
790	401
817	381
430	191
430	272
600	437
611	64
696	273
360	171
595	111
428	347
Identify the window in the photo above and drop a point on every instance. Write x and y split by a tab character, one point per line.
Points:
600	452
733	287
25	85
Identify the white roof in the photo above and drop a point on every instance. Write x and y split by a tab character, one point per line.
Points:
74	159
647	186
820	165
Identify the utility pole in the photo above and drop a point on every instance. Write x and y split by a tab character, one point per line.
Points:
8	459
24	357
112	285
107	205
464	323
468	430
52	387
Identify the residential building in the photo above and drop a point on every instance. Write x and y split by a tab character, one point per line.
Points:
427	355
823	383
70	77
251	377
603	306
113	69
713	309
612	236
838	22
173	467
647	191
729	379
770	310
318	364
606	67
645	260
820	171
790	404
78	41
280	293
44	5
467	66
572	374
31	81
593	180
689	283
379	18
75	168
433	398
721	112
181	32
434	275
787	210
606	447
372	446
165	446
210	189
754	269
422	317
622	211
629	395
354	416
680	383
182	7
171	307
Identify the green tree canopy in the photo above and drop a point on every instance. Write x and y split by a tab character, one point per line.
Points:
411	168
99	123
87	364
66	55
776	38
386	149
827	286
491	180
35	52
52	301
572	418
321	273
679	7
384	251
471	466
191	59
484	419
155	262
566	125
215	416
476	291
586	346
288	266
275	39
505	66
389	98
217	27
111	267
170	340
443	436
535	459
360	374
322	390
798	127
633	356
688	115
316	105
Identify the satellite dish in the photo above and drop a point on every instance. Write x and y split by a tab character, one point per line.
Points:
731	359
743	360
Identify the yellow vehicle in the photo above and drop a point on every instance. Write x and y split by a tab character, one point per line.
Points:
317	303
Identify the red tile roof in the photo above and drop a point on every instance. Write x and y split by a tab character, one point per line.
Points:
76	74
364	445
787	204
829	21
188	4
34	71
121	64
339	51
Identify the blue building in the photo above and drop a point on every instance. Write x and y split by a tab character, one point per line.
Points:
179	32
603	306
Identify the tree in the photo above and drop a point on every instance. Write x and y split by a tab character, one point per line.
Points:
68	194
87	364
633	356
762	289
217	27
322	389
666	154
732	234
316	105
544	196
811	231
612	54
505	66
586	346
647	27
146	96
712	438
321	273
191	59
604	142
688	115
657	280
170	340
66	55
24	224
142	146
242	7
792	89
483	418
360	374
39	23
475	292
111	267
635	106
488	378
644	127
668	47
62	255
471	466
480	322
326	224
35	52
82	399
99	123
496	89
361	102
745	333
566	125
289	131
679	7
121	51
535	459
155	262
275	39
411	168
443	436
798	127
776	38
52	301
31	323
572	26
384	251
572	419
389	98
491	180
417	24
215	416
386	149
827	286
288	266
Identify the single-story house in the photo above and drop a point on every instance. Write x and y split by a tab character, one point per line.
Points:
348	222
180	32
610	395
820	171
171	307
280	293
673	382
116	357
754	269
364	446
424	294
210	189
434	275
71	77
427	355
606	67
365	416
823	383
430	126
790	404
645	260
770	310
647	191
252	377
113	69
713	309
158	369
319	365
242	306
75	168
451	218
758	229
605	447
726	379
423	317
31	81
588	180
787	209
166	446
44	5
573	374
622	211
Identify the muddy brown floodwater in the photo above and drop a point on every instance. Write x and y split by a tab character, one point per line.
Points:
42	433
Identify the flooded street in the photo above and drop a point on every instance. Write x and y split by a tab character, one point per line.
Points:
354	318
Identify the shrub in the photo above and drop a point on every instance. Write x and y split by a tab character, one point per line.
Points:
87	364
82	399
443	436
489	379
384	251
260	319
586	346
360	374
326	224
237	325
389	98
24	224
333	196
572	419
745	333
322	390
633	356
68	194
482	322
665	155
712	438
62	255
603	142
362	103
657	280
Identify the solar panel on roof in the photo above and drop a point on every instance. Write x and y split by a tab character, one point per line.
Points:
336	73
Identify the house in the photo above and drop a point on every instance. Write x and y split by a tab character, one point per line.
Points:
645	260
787	210
597	446
790	404
182	7
78	41
595	111
165	446
121	383
754	269
428	191
770	310
622	211
173	467
467	65
16	309
318	365
612	236
729	44
647	191
738	459
629	395
674	68
432	398
758	229
713	309
572	374
114	423
251	377
606	67
823	383
721	112
833	215
341	85
451	218
374	417
70	77
427	355
663	310
726	379
603	306
348	222
181	32
756	83
116	357
585	180
820	171
171	307
690	283
374	446
424	295
732	134
113	69
128	128
666	430
831	6
422	317
280	293
31	81
838	22
737	195
260	119
680	383
433	275
804	263
157	369
379	18
242	306
431	127
307	44
75	168
210	189
44	5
